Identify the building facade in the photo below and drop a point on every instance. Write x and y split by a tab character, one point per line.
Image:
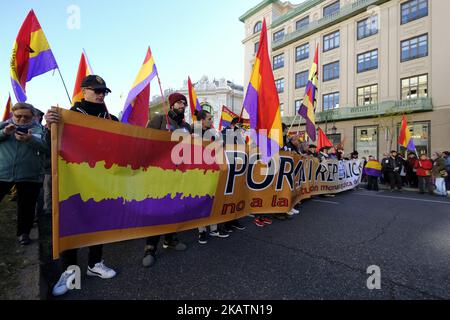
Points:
378	60
215	94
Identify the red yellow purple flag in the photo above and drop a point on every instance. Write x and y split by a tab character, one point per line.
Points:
138	102
193	99
262	102
308	108
7	114
228	116
31	56
405	139
84	70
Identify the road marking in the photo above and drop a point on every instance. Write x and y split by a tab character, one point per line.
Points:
404	198
326	201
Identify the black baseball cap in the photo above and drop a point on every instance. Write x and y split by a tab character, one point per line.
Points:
94	82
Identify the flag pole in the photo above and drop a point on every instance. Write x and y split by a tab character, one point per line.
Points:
166	110
65	87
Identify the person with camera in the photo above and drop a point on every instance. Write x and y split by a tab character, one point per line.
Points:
22	146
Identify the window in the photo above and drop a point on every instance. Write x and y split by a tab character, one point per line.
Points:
258	27
280	85
368	61
330	101
368	27
413	10
302	23
331	9
256	47
282	109
415	87
366	141
279	35
301	79
298	104
278	61
368	95
302	52
415	48
331	41
331	71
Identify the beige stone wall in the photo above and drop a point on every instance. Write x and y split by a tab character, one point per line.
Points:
390	70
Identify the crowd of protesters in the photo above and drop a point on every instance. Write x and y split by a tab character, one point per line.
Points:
428	175
24	165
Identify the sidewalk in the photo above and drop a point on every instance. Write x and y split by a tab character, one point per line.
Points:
19	265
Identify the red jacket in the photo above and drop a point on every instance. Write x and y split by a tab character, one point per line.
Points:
423	168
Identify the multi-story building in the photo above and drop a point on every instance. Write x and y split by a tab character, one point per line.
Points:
378	60
213	94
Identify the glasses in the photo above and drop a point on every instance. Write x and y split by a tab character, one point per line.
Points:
19	116
99	91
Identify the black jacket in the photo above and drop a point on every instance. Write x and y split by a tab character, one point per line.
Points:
93	109
392	164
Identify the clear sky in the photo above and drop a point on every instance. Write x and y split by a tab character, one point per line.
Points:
187	37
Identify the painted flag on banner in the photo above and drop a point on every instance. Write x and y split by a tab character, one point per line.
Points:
194	104
308	107
8	113
138	102
31	56
262	102
228	115
84	70
405	139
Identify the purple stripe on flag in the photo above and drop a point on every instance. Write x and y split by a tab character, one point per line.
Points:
251	105
140	86
411	146
310	127
372	172
268	147
42	63
18	91
79	217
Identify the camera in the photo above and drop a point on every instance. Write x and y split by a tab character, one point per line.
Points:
22	130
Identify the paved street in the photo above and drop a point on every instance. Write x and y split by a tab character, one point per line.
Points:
323	253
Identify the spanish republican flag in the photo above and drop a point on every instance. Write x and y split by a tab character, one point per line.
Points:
31	56
262	102
405	139
7	114
137	106
308	108
194	104
84	70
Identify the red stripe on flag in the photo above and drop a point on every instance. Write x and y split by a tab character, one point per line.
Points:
86	145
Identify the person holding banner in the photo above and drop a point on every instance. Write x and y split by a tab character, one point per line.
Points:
94	91
22	145
175	116
235	135
205	118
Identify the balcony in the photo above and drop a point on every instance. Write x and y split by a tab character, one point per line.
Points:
382	109
346	12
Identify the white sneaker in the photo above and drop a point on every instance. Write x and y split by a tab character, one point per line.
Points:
293	212
62	286
102	271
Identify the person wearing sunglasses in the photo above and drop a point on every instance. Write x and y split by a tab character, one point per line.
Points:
94	90
22	147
